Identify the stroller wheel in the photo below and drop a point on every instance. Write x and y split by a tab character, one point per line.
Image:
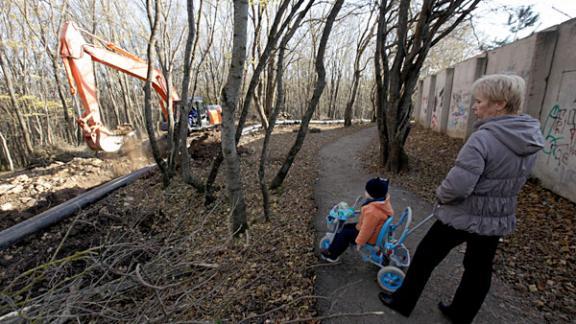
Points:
325	242
390	278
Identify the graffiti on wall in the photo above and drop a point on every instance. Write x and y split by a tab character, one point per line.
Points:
423	108
458	110
559	131
438	104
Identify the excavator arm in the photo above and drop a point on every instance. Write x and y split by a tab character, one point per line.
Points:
78	56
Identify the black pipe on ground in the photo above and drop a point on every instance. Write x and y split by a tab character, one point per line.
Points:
17	232
53	215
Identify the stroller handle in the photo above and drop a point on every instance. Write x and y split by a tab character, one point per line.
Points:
406	217
421	223
388	228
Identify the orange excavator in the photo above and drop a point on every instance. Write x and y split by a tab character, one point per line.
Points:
78	56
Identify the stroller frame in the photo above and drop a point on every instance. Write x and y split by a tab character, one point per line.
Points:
388	253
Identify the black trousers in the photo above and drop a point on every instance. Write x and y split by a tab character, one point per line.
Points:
342	240
475	282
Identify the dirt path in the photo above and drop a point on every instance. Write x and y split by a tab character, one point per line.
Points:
350	286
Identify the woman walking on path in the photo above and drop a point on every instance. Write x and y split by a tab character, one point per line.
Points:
477	199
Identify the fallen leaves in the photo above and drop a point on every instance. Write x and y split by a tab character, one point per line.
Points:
171	238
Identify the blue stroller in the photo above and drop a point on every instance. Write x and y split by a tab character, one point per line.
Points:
389	252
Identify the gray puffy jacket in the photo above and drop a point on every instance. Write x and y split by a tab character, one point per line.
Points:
479	193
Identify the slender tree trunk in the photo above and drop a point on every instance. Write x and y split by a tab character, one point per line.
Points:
148	92
54	62
363	42
272	40
111	98
260	109
16	107
49	131
350	104
334	100
39	130
278	107
208	46
229	99
69	122
17	149
184	109
257	13
125	98
270	85
122	78
382	76
331	88
320	84
6	151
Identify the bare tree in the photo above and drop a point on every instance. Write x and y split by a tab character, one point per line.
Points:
363	42
258	11
148	89
398	60
6	152
122	79
272	40
16	107
43	36
319	88
229	99
334	85
451	50
184	109
278	106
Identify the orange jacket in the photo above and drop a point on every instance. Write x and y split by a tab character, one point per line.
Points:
372	217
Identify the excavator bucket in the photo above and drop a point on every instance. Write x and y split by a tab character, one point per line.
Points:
123	135
111	144
79	56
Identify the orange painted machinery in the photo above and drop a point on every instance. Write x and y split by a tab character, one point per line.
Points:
78	56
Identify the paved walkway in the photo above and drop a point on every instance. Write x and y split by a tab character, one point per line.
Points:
350	285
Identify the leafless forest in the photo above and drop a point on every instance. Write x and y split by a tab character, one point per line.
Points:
183	242
39	111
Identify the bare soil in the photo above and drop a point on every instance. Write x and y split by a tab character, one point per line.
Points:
26	193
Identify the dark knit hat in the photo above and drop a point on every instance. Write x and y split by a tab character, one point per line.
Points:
377	187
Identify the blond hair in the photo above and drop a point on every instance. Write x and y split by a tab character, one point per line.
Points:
508	88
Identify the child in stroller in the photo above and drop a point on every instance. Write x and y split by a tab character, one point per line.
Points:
374	213
378	239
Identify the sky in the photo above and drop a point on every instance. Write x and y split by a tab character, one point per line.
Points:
492	19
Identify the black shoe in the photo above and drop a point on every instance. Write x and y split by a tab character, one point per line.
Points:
328	258
449	314
388	301
445	310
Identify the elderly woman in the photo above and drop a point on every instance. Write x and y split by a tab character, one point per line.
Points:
477	199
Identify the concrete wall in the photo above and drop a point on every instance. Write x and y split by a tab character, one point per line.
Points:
426	101
441	108
460	118
545	46
515	57
556	164
547	62
417	99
